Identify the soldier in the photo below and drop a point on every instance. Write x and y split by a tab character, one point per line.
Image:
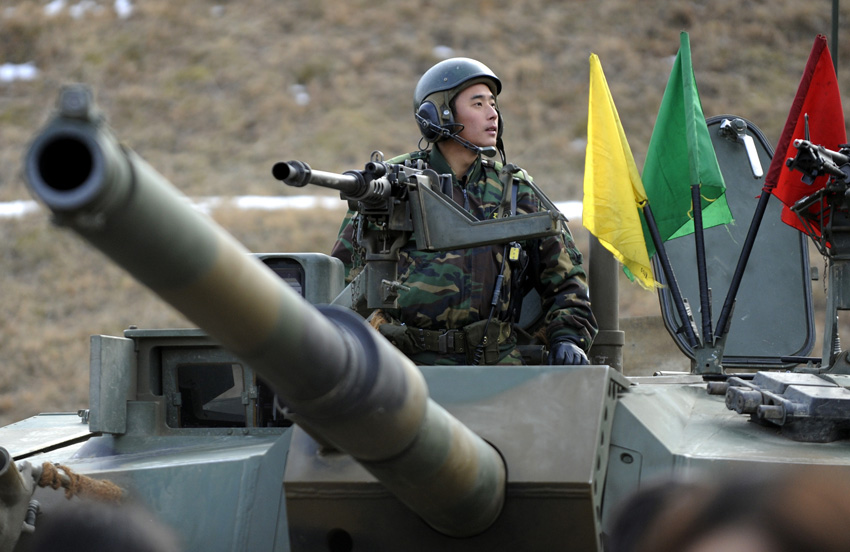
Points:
461	306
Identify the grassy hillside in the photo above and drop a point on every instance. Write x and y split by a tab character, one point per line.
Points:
207	92
203	90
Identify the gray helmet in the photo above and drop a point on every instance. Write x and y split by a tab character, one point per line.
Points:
439	85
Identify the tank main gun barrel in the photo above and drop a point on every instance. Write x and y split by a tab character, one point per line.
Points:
345	382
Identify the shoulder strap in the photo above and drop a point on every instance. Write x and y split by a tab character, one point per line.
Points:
405	157
509	182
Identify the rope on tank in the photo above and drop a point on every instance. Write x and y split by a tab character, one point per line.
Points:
57	476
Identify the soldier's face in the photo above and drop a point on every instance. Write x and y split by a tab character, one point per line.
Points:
475	109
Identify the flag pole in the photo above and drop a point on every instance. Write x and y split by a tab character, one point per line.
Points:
723	322
668	274
702	276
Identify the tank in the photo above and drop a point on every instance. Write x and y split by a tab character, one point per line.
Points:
284	422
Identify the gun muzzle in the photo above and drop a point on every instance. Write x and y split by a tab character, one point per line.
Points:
299	174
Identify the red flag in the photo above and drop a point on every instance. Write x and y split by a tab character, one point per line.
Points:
818	97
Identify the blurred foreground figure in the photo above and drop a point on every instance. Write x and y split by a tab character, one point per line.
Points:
794	510
96	527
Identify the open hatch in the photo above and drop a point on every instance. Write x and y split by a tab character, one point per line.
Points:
771	324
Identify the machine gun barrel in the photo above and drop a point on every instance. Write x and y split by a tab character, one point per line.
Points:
299	174
345	382
368	186
813	160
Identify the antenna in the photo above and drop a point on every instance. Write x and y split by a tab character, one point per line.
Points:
834	40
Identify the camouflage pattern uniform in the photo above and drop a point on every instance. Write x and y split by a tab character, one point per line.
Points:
453	290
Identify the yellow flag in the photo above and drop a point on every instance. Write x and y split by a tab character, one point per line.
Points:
613	191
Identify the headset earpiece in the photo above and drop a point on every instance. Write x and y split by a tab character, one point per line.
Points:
428	119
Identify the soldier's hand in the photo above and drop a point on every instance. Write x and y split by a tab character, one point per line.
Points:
566	352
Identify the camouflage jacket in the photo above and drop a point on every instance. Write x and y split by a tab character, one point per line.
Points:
451	289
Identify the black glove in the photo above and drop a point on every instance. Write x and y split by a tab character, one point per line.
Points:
564	351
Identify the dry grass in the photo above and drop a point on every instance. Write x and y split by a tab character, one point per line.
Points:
58	291
201	89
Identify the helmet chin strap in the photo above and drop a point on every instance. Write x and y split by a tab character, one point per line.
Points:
444	132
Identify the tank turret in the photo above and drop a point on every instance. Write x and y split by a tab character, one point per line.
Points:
345	384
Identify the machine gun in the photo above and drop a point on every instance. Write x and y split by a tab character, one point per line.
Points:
816	160
825	214
398	203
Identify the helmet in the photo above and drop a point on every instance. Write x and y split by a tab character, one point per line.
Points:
439	85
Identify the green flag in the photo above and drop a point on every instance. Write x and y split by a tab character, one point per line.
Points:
680	154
